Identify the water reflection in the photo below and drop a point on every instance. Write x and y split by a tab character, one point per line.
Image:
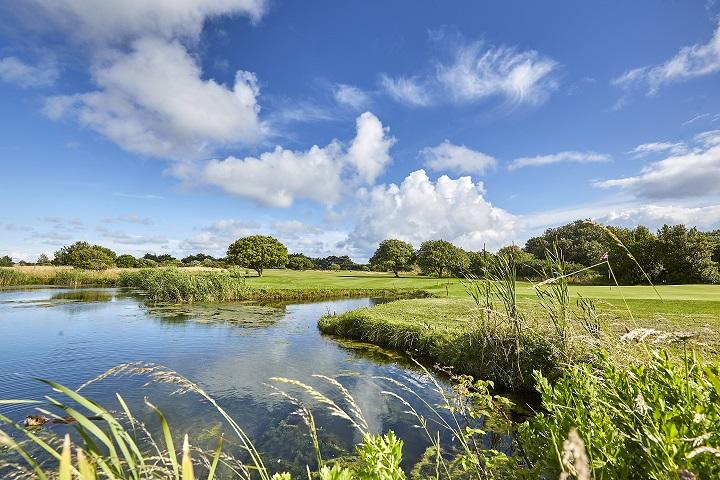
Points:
230	350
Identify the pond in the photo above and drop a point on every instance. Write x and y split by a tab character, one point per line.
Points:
231	350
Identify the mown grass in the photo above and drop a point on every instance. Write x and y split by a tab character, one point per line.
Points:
175	285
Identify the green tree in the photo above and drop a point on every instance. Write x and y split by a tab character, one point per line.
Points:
43	260
67	255
146	263
439	257
258	252
393	255
581	242
6	261
686	256
298	261
92	258
480	262
126	261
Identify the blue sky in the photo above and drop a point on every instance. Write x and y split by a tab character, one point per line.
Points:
180	126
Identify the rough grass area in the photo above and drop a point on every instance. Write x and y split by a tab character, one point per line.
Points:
448	331
58	276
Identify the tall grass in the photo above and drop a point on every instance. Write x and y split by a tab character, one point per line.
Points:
57	276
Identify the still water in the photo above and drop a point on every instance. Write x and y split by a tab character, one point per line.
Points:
230	350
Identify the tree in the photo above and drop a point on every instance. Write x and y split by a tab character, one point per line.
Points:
126	261
298	261
165	257
6	261
198	257
393	255
439	256
258	252
146	263
686	256
86	256
92	258
43	260
581	242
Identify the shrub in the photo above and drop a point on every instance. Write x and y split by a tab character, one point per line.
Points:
126	261
656	420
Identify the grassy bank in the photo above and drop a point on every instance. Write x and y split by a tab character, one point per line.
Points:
546	335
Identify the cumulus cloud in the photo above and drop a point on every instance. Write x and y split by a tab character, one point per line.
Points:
691	174
351	96
279	177
369	152
478	72
690	62
561	157
456	158
154	101
116	21
14	70
659	147
419	209
408	90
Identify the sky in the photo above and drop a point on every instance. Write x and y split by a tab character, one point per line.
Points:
178	126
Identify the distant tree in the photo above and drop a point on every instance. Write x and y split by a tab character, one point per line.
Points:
43	260
85	256
165	257
92	258
394	255
439	257
126	261
198	257
258	252
298	261
686	256
480	262
324	263
6	261
146	263
334	266
581	242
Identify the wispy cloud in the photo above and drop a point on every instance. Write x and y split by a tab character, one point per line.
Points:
447	157
14	70
351	96
659	147
408	90
690	62
561	157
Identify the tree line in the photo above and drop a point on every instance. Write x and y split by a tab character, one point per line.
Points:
673	254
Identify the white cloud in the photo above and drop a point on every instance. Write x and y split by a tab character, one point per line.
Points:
561	157
14	70
690	62
456	158
154	101
478	73
117	21
369	152
659	147
407	90
654	216
692	174
351	96
279	177
419	209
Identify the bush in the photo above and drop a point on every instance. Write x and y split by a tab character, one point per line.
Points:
91	258
656	420
146	263
300	262
126	261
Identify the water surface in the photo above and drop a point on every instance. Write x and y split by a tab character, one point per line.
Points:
231	350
